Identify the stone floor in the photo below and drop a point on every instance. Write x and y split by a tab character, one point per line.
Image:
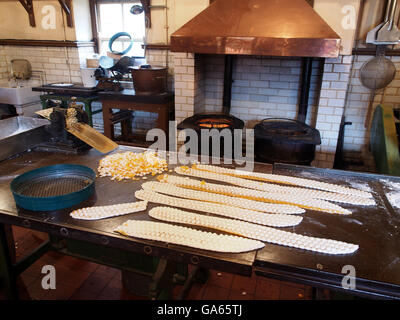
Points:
79	279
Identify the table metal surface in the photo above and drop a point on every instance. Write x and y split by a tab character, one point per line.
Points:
376	229
101	231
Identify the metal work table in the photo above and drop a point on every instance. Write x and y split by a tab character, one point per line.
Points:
375	229
100	232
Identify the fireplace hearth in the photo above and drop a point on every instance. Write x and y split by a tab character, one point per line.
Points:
211	121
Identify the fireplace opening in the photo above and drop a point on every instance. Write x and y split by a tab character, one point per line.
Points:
212	121
273	144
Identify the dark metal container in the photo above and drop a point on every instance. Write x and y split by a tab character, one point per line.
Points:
285	141
149	80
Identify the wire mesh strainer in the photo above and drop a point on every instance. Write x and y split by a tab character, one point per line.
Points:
378	72
53	187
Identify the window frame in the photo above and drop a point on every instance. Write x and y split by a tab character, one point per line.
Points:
95	21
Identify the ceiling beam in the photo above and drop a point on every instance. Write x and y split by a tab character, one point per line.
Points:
146	7
28	6
66	5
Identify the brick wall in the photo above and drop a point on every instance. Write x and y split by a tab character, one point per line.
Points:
49	65
55	64
185	65
335	80
3	65
263	87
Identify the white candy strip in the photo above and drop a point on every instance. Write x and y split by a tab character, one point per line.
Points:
274	197
96	213
274	220
172	190
308	183
187	237
269	187
254	231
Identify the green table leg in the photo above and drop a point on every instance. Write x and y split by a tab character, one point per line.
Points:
43	101
87	102
88	110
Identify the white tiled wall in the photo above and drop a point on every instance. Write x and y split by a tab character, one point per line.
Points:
53	64
189	85
3	64
49	65
331	105
263	87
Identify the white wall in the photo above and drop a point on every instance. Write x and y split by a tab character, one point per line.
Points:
179	12
14	22
82	23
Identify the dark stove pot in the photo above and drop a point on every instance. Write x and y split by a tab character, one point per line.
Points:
285	141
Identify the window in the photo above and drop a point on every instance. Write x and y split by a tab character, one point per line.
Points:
114	17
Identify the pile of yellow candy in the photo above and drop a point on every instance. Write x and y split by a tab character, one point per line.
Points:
131	165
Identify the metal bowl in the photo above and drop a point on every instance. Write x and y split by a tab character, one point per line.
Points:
54	187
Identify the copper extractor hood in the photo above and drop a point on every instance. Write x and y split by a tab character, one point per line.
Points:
258	27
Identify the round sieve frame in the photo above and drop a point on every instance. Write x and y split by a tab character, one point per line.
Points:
54	187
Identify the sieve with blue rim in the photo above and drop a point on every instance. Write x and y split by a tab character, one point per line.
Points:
53	187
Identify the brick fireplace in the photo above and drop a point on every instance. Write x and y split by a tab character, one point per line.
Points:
265	87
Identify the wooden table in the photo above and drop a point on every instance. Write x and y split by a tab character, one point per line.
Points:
162	104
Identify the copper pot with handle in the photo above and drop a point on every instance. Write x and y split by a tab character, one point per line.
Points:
149	80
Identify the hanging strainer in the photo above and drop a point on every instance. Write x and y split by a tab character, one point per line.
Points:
378	72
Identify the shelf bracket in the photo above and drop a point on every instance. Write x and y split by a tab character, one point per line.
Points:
28	6
146	6
66	5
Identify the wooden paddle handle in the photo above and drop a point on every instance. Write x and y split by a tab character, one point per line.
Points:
369	110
